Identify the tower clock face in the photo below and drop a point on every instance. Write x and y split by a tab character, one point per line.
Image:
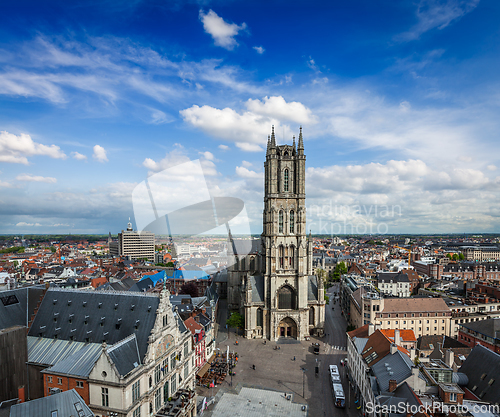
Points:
163	345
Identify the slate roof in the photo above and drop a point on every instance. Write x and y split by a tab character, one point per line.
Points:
121	314
481	366
67	403
419	305
424	342
257	283
125	355
392	276
393	366
13	305
312	288
488	327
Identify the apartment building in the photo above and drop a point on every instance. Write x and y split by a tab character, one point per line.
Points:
134	244
395	284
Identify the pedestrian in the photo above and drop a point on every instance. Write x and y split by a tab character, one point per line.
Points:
294	358
253	366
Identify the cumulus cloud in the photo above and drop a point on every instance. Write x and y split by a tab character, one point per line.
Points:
224	147
248	129
21	224
247	173
79	156
17	148
36	178
208	155
100	154
260	50
222	32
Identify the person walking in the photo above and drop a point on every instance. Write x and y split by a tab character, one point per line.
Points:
294	358
253	366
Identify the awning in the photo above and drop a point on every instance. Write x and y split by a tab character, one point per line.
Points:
204	369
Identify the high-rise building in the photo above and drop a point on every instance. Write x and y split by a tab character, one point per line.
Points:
275	286
136	245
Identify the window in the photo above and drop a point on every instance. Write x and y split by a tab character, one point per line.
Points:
165	392
49	379
172	361
173	383
280	222
59	381
292	256
285	181
105	397
286	298
157	399
281	255
453	397
186	370
79	384
137	412
186	349
53	414
136	391
292	221
260	316
157	374
311	316
165	366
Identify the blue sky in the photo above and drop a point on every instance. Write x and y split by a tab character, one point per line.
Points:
399	104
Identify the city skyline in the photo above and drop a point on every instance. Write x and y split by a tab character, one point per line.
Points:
398	104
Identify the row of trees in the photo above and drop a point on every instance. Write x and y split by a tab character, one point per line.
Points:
456	256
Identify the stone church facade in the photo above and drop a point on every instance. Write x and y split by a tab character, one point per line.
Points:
274	286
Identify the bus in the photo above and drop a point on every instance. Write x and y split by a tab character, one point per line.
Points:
334	374
338	395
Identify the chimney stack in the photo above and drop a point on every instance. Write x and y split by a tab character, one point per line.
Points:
392	385
21	394
394	348
371	329
396	337
412	354
449	358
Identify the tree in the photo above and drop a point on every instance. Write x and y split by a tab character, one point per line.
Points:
53	249
340	269
448	255
461	256
455	257
236	320
170	264
189	288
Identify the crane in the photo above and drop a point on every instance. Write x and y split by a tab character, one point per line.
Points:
409	253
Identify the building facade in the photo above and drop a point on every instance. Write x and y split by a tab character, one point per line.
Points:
275	286
136	245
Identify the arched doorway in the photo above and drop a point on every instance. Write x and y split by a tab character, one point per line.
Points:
287	328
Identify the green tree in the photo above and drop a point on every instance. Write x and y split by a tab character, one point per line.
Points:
448	255
454	257
170	264
339	270
236	320
53	249
461	256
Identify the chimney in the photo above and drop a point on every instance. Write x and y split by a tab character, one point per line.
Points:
392	385
396	337
394	348
415	370
21	394
371	329
412	354
449	358
377	326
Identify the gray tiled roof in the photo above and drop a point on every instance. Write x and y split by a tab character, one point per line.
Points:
67	403
121	314
257	283
312	288
13	305
393	366
50	351
125	355
488	327
481	366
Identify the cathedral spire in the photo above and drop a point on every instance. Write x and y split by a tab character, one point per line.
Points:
268	143
273	138
293	144
301	141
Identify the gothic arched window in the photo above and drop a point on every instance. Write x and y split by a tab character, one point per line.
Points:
286	298
285	180
311	316
291	259
292	221
280	225
281	256
260	317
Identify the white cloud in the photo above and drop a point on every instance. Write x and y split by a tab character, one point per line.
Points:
432	14
224	147
17	148
36	178
79	156
208	155
100	154
404	106
259	49
248	129
246	173
21	224
5	184
158	117
491	167
172	158
246	164
276	107
222	32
